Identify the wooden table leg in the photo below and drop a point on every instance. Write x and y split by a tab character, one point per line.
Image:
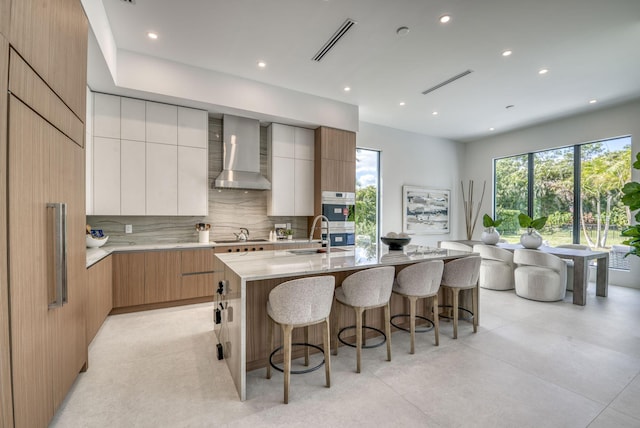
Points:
580	277
602	276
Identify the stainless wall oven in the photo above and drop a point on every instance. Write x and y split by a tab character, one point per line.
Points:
340	209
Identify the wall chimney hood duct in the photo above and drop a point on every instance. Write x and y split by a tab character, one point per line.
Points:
241	146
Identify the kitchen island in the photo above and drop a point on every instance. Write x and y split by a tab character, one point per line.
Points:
249	277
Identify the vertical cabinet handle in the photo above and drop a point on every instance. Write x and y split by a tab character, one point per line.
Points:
60	252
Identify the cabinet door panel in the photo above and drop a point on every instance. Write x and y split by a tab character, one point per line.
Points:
162	123
282	141
4	23
162	276
100	295
106	115
303	188
197	261
193	190
106	176
192	127
199	285
162	179
132	119
305	144
280	202
128	279
132	174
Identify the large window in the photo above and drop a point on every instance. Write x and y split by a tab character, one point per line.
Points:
367	202
577	187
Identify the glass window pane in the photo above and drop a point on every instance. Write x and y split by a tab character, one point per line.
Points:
553	194
367	202
511	181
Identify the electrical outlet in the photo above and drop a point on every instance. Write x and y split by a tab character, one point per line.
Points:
128	228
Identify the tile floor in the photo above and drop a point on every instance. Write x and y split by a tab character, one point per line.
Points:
531	364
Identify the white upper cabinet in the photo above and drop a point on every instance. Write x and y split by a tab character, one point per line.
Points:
291	171
150	159
132	119
192	127
162	123
106	116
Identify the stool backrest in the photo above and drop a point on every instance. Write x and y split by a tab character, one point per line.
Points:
302	300
458	246
491	252
369	287
463	272
421	279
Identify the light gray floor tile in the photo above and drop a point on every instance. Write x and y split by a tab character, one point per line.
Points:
610	418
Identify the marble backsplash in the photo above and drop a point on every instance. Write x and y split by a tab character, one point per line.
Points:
229	210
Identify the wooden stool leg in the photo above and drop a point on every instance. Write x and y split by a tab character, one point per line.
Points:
436	322
287	360
306	348
336	323
412	321
455	312
364	322
474	296
358	312
327	352
387	329
270	339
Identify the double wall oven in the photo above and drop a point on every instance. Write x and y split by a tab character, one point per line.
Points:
339	208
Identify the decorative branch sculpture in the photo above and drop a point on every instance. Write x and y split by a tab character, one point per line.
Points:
471	217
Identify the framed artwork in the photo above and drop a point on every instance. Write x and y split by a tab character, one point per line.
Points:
425	210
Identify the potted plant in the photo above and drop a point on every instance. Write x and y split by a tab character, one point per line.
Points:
531	239
289	234
490	236
631	199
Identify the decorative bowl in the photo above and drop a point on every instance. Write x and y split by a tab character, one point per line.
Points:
395	244
95	242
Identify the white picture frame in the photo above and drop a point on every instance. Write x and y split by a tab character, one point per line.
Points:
425	210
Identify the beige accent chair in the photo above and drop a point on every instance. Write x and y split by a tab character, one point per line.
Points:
462	274
362	290
300	303
496	269
420	281
458	246
569	262
540	276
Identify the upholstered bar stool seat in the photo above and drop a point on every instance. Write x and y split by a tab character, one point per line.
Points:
540	276
362	290
300	303
496	268
462	274
419	281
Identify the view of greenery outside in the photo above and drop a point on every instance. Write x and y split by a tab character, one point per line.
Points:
605	167
367	179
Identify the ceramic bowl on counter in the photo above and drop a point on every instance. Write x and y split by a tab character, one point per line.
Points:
93	242
395	244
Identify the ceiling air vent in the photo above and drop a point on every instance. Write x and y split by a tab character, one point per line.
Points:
346	26
446	82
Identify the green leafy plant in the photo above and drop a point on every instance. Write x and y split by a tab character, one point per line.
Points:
487	221
288	232
631	199
529	223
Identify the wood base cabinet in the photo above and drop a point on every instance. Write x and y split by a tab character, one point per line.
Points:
100	295
47	299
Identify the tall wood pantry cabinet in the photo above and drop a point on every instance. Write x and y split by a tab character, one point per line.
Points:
43	168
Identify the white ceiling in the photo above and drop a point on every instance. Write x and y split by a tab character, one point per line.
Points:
589	46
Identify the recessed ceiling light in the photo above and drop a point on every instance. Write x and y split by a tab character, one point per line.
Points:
402	31
402	103
347	88
435	113
543	71
445	18
593	101
507	53
491	129
262	64
152	35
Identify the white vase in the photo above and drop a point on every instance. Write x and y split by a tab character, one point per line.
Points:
490	236
531	240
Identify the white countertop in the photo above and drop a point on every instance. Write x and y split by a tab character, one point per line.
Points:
278	263
94	255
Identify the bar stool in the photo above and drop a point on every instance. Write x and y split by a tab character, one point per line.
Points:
462	274
419	281
366	289
300	303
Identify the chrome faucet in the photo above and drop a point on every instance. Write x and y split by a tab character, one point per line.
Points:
243	235
313	226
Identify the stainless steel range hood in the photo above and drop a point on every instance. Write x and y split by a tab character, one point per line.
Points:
241	165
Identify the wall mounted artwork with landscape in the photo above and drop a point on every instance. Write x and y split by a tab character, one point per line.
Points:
425	210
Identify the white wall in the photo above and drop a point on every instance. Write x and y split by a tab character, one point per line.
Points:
607	123
417	160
